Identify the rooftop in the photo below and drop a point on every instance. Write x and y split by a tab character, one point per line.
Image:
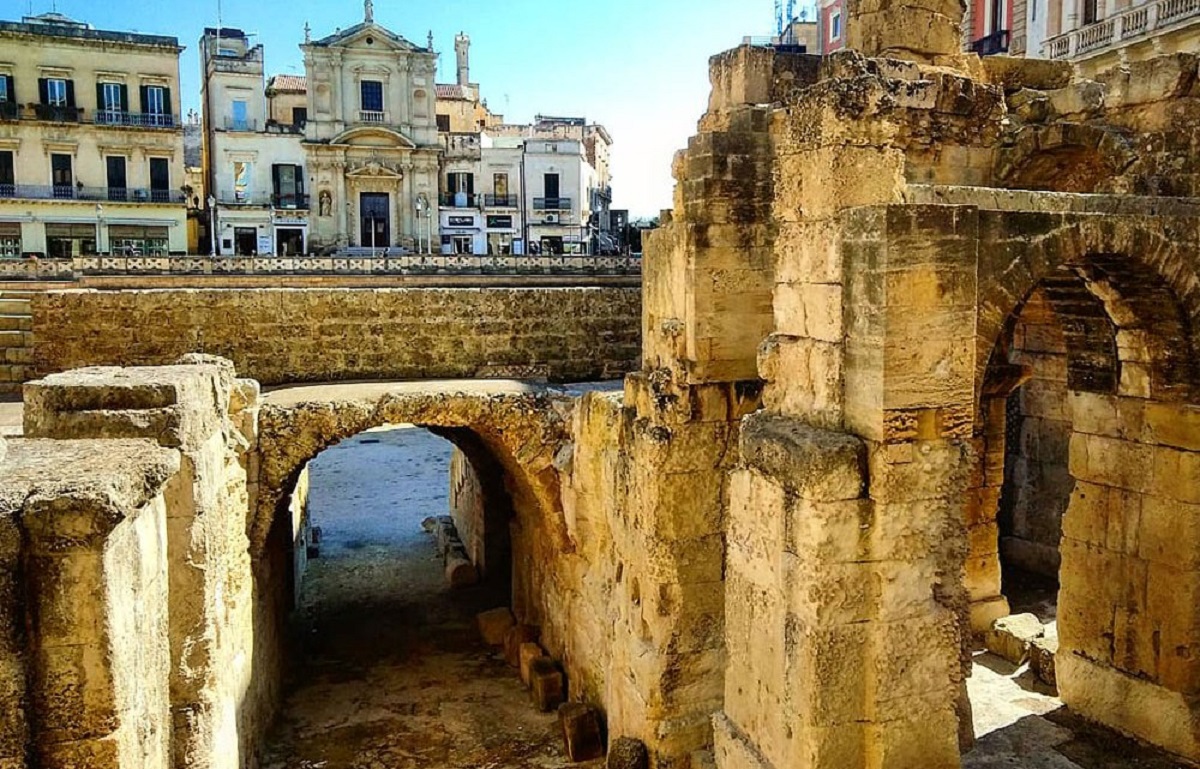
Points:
287	84
59	26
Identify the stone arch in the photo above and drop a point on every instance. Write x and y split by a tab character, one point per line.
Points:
1146	280
523	433
1064	157
1124	296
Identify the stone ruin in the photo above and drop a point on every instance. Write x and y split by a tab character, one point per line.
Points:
775	547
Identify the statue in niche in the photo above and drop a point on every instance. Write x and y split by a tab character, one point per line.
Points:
326	203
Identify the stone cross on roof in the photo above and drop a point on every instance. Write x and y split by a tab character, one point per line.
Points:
369	11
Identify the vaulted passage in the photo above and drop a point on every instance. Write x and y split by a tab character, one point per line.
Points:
385	661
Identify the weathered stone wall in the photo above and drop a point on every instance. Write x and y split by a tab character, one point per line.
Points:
284	335
468	510
1037	476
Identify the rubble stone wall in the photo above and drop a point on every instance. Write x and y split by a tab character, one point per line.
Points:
286	335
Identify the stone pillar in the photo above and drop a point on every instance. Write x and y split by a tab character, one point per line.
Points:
1129	604
191	408
920	30
96	599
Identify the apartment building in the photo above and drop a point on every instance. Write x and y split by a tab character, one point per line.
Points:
254	131
91	144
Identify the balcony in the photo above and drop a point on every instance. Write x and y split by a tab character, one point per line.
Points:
1130	25
552	204
57	114
992	44
10	110
370	116
241	126
459	200
134	119
290	202
259	199
501	201
91	194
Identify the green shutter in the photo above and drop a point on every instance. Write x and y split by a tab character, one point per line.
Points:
100	105
43	91
167	109
144	94
70	93
124	98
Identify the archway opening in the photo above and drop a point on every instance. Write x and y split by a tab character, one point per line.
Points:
397	539
1082	480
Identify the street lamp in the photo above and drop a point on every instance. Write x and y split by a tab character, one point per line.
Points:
212	224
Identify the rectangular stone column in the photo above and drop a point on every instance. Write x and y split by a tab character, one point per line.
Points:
1129	604
95	590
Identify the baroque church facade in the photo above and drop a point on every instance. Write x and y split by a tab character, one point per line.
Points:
371	139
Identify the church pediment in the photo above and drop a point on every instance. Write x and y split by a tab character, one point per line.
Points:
374	169
374	136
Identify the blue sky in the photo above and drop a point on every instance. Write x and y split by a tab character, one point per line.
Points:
640	67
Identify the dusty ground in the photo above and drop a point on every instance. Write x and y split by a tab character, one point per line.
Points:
394	674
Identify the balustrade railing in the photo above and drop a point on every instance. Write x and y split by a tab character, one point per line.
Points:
97	194
1127	25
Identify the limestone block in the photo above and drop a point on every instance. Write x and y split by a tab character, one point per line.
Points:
547	685
1015	72
460	572
583	739
984	613
529	652
819	464
1011	637
1042	652
494	625
804	378
517	637
628	753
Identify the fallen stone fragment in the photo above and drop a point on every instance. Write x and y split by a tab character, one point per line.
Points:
429	525
628	753
1041	656
547	687
460	572
494	626
583	738
1011	637
529	653
520	634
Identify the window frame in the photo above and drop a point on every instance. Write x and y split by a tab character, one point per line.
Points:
362	96
51	101
835	25
159	93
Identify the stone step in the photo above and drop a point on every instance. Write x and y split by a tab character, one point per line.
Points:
9	338
16	323
15	306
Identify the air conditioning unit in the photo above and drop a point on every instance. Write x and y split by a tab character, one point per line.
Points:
550	219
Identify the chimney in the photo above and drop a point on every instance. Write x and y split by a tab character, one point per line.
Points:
462	47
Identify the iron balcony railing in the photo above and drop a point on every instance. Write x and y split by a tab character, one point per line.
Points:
57	114
1129	24
231	198
500	201
97	194
241	126
552	204
10	110
992	44
290	202
134	119
459	200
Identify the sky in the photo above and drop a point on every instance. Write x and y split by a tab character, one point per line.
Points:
639	67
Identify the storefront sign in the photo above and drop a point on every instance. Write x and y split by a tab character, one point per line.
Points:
462	221
499	222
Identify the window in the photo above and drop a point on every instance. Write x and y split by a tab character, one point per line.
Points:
160	180
1091	11
64	241
110	97
299	116
443	123
154	100
461	182
10	239
500	185
127	240
550	185
56	92
998	16
8	178
242	181
835	26
116	178
289	186
240	119
6	89
372	96
463	244
61	176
